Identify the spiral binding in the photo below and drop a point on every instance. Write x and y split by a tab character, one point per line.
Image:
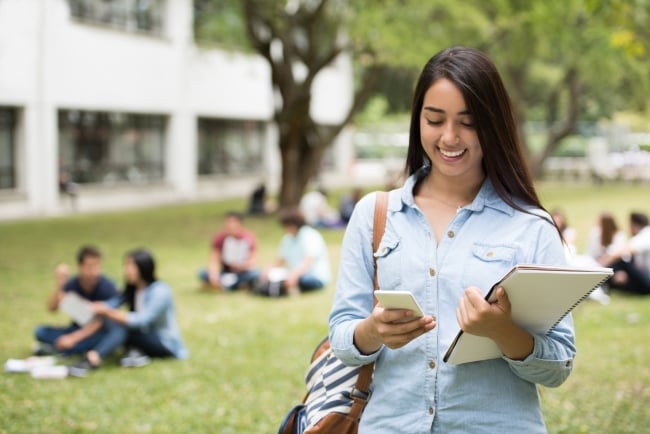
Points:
580	300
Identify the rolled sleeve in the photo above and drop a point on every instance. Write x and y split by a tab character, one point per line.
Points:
551	361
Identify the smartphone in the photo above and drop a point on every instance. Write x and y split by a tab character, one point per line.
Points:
399	300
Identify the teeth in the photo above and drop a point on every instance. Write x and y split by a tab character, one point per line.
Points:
451	154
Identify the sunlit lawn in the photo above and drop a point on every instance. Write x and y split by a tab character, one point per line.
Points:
248	354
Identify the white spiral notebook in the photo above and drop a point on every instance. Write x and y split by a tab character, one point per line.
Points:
540	297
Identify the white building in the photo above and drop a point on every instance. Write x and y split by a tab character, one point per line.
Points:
115	95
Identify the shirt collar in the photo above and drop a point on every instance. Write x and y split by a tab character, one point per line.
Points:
486	197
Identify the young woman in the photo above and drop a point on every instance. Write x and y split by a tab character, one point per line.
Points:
149	327
606	237
467	213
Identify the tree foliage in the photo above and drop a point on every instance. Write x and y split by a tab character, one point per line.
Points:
562	61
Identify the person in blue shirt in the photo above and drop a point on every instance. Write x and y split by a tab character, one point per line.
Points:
148	329
302	257
466	214
91	285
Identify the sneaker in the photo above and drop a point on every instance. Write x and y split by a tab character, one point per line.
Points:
134	358
600	296
81	368
43	349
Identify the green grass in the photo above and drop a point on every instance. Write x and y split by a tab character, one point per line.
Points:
248	354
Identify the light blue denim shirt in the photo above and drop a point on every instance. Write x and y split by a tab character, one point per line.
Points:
413	390
157	316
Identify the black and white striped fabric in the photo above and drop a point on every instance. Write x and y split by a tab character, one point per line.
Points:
330	384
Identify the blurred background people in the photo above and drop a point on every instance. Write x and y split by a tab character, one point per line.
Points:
259	203
569	234
148	329
631	262
91	285
233	256
317	212
302	253
605	237
348	202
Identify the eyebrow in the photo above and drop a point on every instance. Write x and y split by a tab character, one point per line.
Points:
437	110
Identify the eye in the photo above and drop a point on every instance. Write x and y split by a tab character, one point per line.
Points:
431	122
467	121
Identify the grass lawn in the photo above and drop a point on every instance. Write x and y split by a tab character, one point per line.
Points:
248	354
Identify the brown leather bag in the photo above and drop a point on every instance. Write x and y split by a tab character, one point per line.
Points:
343	415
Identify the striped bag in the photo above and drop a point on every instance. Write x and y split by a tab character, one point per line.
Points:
336	393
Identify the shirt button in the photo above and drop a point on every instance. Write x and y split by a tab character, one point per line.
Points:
432	272
450	234
432	364
430	410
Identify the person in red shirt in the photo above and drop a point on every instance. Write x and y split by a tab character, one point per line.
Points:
233	257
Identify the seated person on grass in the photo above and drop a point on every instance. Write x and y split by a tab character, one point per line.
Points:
233	256
631	262
90	284
302	255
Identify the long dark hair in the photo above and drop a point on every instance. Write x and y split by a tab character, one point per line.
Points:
487	100
608	228
146	266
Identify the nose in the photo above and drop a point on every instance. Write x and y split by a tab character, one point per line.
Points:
449	135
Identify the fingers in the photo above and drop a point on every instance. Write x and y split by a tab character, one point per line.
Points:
397	327
503	302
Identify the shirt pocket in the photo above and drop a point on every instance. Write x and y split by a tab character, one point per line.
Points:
388	257
487	264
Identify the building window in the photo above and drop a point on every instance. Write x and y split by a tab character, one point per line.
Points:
103	147
130	15
230	147
7	148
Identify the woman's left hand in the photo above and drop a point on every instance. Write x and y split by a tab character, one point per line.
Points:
481	318
494	320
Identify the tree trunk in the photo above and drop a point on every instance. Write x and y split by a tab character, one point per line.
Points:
301	149
560	130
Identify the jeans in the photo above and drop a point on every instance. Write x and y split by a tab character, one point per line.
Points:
114	335
246	278
638	281
308	282
148	343
104	341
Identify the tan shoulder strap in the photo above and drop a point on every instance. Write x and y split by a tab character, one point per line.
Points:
365	373
378	226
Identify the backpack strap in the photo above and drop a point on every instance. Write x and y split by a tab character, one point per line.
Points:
378	226
362	388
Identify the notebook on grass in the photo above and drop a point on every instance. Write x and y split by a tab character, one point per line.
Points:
540	296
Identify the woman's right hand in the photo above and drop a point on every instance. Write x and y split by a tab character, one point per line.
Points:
388	327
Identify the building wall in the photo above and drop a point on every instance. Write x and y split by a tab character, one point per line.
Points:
50	61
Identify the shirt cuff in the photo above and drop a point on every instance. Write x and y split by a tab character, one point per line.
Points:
348	352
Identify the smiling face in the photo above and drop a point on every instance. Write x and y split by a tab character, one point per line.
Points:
447	132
